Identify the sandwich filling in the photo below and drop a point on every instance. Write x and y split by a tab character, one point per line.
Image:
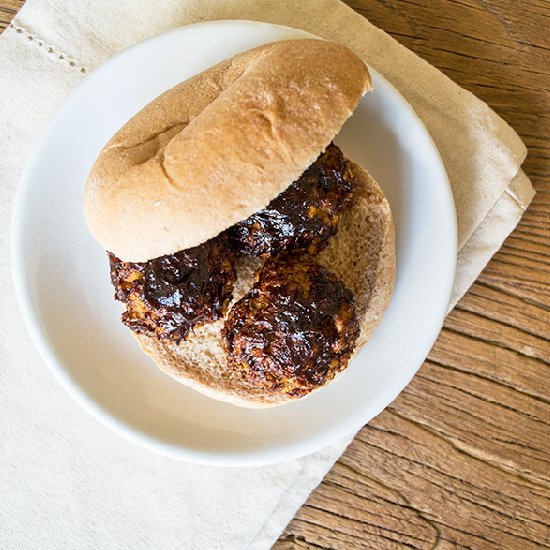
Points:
297	327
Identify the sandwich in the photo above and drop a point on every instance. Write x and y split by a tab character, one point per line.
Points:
253	259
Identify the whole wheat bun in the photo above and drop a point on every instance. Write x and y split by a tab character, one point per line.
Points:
220	146
361	254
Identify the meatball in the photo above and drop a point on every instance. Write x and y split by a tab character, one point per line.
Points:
302	217
168	296
294	330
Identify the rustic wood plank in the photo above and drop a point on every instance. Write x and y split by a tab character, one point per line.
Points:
462	458
504	308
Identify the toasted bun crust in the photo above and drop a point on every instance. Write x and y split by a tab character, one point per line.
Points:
220	146
362	254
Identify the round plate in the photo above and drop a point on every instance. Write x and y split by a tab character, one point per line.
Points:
62	275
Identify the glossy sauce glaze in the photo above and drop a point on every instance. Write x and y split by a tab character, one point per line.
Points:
170	295
294	330
304	216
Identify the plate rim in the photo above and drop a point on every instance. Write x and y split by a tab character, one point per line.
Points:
284	451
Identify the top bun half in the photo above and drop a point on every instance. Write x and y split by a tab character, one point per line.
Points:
220	146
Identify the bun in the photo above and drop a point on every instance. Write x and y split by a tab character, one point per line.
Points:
220	146
362	254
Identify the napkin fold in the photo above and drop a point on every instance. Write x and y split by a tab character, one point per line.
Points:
64	479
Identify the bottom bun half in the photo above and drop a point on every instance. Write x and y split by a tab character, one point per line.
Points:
361	254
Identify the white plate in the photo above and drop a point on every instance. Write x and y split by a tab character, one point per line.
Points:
62	277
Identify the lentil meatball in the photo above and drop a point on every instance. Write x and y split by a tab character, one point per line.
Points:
304	216
169	296
295	329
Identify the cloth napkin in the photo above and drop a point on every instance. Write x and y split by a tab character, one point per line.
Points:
65	480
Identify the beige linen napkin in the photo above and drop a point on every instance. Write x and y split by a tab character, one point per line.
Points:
65	480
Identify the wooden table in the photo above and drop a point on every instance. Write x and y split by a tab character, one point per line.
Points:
462	458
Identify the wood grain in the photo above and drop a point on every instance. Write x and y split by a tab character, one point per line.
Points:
462	458
8	9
